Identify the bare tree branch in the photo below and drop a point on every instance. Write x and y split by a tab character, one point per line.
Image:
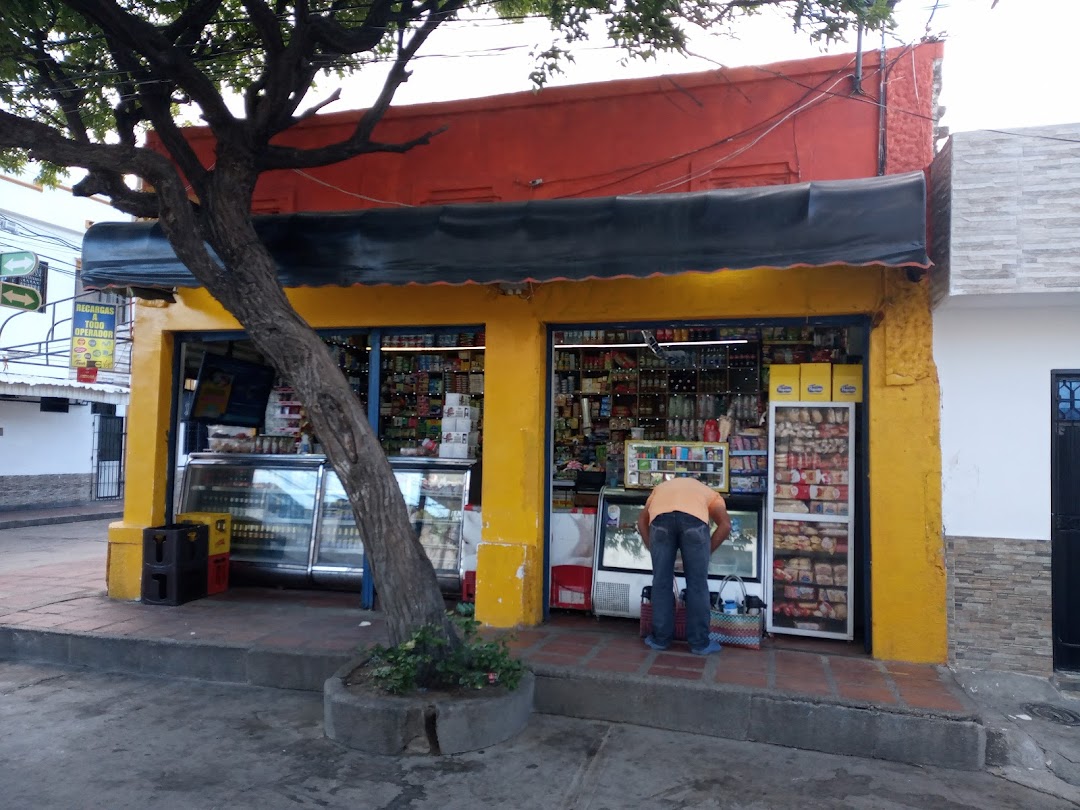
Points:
143	204
142	38
314	109
359	142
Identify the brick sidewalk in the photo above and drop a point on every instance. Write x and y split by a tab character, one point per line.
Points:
71	599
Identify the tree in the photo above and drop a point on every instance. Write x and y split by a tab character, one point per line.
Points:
84	79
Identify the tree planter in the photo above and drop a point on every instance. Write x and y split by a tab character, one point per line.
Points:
428	723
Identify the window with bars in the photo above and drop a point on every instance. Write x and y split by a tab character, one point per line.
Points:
1068	399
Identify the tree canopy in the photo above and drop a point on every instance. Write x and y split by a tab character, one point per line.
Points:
83	73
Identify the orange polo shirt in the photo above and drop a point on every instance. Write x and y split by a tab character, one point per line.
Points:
687	495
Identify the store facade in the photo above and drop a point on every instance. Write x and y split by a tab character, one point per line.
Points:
883	311
655	314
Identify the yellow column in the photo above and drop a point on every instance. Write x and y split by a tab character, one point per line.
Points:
907	553
509	576
146	464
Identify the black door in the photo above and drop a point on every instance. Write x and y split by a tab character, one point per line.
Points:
109	458
1065	517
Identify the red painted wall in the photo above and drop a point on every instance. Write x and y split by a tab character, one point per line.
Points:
782	123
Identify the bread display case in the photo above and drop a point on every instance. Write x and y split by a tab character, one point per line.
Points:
292	524
811	519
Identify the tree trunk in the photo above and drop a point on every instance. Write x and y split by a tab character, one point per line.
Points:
249	289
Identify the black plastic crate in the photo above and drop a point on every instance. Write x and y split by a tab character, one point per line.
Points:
180	544
173	585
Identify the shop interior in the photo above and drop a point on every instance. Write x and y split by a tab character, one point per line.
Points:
246	447
631	406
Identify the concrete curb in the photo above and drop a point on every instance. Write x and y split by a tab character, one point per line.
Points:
52	520
941	739
389	726
195	660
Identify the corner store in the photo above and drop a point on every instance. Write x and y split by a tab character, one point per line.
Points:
903	462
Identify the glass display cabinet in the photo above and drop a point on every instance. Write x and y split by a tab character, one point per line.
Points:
810	519
293	525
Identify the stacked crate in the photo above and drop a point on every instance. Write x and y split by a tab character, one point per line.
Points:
175	560
219	528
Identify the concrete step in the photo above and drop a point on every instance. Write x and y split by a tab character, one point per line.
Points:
919	737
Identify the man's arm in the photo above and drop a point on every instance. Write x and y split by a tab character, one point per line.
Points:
718	514
643	525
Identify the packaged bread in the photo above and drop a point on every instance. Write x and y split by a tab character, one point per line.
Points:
791	507
840	575
823	574
837	595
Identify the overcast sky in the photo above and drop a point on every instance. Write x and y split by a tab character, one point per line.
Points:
1011	66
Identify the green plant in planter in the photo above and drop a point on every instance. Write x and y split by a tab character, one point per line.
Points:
416	663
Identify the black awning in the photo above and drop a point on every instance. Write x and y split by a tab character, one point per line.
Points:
875	221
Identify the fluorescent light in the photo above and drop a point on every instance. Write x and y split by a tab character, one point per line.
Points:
643	345
430	348
706	342
601	345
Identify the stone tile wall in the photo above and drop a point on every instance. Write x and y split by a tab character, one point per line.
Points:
999	604
42	491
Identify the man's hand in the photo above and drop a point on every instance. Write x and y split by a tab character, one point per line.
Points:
718	514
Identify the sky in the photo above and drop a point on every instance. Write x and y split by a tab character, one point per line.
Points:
1010	66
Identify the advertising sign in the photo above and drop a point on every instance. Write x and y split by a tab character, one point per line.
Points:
93	336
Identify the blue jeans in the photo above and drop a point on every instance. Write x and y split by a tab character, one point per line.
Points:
669	533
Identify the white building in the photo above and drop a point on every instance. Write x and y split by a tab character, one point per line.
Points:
1007	346
60	439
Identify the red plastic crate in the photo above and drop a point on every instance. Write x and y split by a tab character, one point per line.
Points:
217	574
571	587
468	587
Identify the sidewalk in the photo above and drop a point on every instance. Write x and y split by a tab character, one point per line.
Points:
91	510
804	695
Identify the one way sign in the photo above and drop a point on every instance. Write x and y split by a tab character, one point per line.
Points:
18	297
21	263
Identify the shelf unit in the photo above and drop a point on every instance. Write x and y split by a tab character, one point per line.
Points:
626	386
413	383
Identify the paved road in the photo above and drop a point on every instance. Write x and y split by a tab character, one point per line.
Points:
76	739
45	545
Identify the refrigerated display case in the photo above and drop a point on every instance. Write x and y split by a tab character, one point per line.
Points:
810	519
622	565
436	493
293	525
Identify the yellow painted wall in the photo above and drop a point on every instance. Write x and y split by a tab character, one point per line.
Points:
909	623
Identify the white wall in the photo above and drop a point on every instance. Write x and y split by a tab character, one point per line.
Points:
36	443
994	364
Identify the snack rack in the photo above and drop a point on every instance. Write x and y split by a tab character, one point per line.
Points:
649	463
810	519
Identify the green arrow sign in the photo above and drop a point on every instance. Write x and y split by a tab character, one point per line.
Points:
22	263
18	297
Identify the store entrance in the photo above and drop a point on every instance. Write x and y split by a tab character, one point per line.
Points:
245	447
1065	517
769	414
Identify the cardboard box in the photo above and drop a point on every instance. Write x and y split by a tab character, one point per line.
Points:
219	525
457	412
455	424
453	450
784	383
815	382
451	437
456	400
847	383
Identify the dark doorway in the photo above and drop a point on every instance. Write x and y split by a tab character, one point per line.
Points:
1065	517
108	481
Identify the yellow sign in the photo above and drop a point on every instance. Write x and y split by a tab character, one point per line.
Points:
93	336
